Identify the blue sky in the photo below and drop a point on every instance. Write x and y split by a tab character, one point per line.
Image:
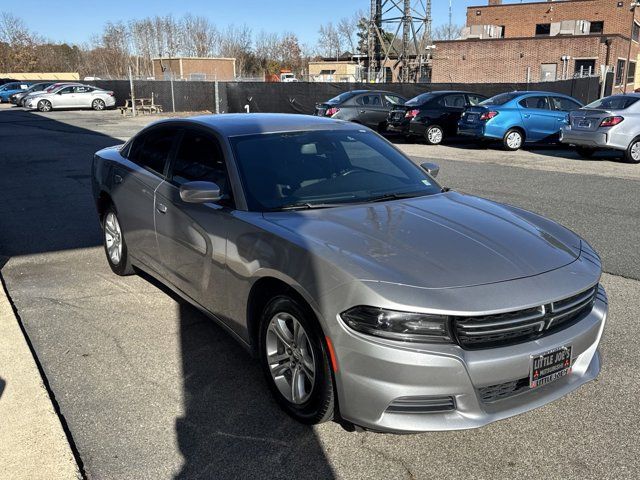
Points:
75	22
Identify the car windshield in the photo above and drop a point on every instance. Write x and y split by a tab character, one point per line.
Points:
615	102
318	169
419	100
500	99
340	98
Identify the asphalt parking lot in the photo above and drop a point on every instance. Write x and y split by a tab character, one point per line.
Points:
149	388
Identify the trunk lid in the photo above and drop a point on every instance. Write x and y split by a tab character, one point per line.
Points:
588	120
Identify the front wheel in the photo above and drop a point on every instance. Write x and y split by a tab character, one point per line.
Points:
295	361
632	154
44	106
434	135
513	139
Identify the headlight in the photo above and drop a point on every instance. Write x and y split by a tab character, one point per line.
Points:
403	326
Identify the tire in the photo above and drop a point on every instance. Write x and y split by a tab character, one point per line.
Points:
98	104
114	245
44	106
284	359
585	152
434	135
513	139
632	153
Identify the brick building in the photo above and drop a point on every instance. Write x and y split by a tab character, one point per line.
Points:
543	41
195	68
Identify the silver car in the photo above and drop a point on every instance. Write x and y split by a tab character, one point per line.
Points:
369	293
71	96
608	123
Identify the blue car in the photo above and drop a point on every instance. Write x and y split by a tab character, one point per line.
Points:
9	89
518	117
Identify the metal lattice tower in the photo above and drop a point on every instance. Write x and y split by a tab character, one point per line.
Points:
399	33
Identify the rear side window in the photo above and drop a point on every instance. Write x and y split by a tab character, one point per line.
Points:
151	150
456	100
540	103
392	100
419	100
369	100
83	89
501	99
564	104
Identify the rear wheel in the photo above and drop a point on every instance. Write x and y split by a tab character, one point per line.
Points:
632	154
585	152
44	106
513	139
295	360
98	104
114	245
434	135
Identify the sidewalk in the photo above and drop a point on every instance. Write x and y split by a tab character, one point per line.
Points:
33	444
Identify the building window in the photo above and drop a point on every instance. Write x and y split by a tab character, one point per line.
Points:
631	73
543	29
620	71
585	68
635	34
597	27
548	72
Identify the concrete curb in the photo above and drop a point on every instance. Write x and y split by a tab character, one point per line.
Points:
33	444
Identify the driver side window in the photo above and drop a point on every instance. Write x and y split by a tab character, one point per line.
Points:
199	158
66	90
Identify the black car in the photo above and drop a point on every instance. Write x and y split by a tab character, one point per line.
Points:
368	107
433	116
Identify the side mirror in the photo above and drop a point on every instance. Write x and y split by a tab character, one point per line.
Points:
431	168
200	192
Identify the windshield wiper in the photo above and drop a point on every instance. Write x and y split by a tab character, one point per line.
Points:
304	206
395	196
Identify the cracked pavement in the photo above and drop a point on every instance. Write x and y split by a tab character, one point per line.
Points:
149	388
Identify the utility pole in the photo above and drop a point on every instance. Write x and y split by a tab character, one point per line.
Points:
133	94
625	72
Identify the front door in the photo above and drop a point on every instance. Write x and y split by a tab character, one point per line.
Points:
192	236
540	122
65	98
452	107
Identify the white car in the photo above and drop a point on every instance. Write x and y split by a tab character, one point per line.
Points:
72	96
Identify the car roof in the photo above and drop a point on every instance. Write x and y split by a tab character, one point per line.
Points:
236	124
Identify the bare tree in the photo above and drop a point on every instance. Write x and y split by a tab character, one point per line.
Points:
447	31
19	44
329	42
199	36
235	42
347	29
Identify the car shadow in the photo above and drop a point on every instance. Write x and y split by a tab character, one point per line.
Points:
229	425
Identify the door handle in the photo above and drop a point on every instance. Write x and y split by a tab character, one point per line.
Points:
526	115
362	111
161	208
117	178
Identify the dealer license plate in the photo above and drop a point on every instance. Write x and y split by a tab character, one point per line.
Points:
584	123
472	117
550	366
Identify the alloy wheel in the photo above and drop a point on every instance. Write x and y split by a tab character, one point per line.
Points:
434	135
98	104
113	238
290	358
634	151
44	106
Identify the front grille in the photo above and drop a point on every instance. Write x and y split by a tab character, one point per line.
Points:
422	405
510	328
493	393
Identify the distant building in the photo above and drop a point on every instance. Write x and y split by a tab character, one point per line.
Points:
195	68
543	41
33	76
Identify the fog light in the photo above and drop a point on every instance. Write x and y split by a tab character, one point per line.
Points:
422	405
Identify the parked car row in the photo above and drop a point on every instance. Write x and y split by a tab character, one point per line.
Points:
513	118
46	96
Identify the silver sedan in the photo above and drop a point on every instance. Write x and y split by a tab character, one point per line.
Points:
608	123
71	96
369	293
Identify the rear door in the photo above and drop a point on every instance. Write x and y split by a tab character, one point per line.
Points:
541	124
133	187
83	96
452	105
370	110
192	236
561	106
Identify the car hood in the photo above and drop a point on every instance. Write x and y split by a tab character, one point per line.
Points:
441	241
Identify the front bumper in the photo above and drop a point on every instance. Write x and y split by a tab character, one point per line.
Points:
373	373
594	139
